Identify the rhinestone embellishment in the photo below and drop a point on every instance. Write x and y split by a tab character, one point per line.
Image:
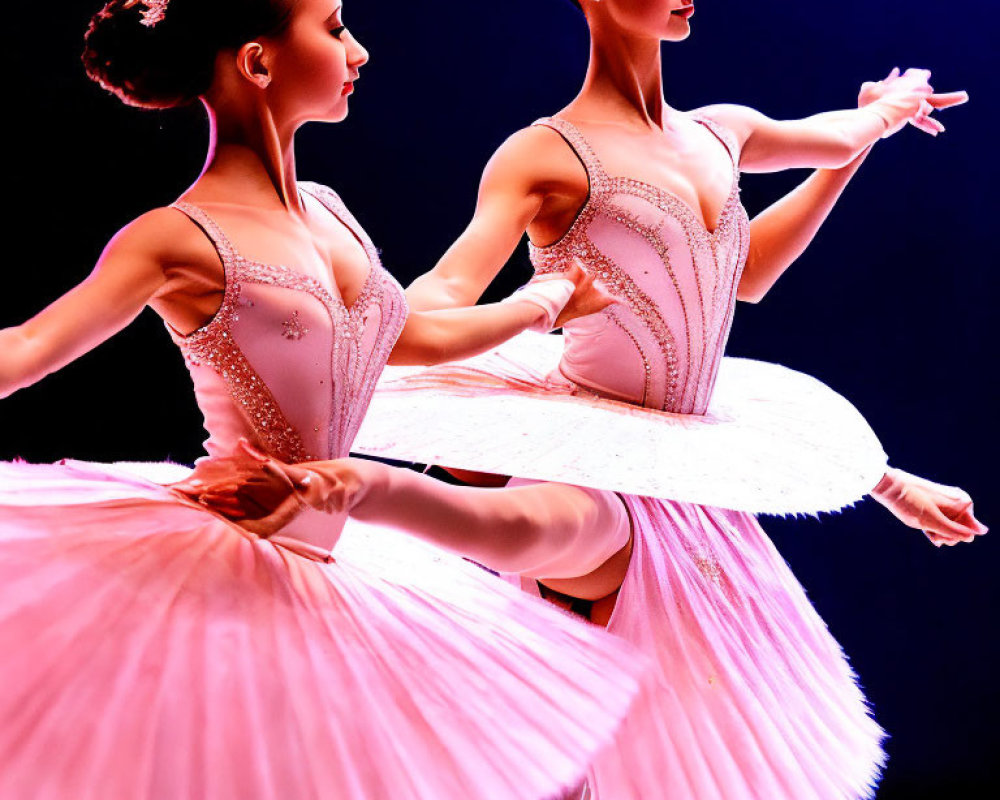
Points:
680	344
293	329
352	373
708	565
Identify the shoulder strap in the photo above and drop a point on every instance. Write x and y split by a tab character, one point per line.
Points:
579	144
219	240
331	201
328	198
724	135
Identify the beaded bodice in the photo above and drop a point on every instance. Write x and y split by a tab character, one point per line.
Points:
661	345
284	363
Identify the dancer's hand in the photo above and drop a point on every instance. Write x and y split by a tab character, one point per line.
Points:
588	298
246	487
262	494
943	513
908	98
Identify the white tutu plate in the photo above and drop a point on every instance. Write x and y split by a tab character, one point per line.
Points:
774	441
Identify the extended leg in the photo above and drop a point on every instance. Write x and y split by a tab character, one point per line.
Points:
544	530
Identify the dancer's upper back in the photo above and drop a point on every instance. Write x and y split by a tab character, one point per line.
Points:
661	345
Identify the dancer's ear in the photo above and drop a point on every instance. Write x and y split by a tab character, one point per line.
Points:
251	60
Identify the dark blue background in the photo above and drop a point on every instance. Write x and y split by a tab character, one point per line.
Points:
893	305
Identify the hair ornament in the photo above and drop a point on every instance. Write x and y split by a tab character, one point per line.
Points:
153	13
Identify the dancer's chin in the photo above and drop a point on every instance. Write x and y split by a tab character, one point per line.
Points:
677	34
678	30
339	112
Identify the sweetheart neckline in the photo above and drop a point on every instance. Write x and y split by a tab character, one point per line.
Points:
231	257
620	180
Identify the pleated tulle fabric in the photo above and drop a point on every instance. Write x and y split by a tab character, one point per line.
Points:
753	697
150	650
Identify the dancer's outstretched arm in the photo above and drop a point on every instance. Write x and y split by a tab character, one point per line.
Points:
135	269
782	232
524	176
835	138
542	530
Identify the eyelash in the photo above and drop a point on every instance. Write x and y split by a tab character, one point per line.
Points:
335	33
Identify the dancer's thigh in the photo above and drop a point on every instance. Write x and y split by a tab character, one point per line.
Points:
592	563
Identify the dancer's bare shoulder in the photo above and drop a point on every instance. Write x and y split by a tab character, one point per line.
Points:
538	166
741	120
134	270
161	236
166	249
539	161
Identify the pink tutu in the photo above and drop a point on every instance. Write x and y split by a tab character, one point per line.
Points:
152	650
753	697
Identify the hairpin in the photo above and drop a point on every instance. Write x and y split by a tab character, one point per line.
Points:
154	12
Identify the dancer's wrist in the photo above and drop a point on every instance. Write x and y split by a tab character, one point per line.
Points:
344	484
887	489
546	299
883	115
311	486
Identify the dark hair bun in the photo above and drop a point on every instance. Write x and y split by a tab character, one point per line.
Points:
163	66
172	63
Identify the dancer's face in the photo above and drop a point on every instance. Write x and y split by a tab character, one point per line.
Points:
667	20
315	62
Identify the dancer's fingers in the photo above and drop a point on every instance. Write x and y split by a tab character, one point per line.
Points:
918	74
573	273
948	99
212	498
981	529
960	510
252	507
245	445
927	125
278	475
188	488
949	529
225	495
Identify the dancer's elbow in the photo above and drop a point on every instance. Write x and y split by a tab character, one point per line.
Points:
19	361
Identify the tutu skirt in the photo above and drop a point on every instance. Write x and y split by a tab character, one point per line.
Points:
774	441
752	697
149	649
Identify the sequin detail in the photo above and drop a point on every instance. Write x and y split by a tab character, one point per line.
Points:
677	378
293	328
357	365
708	565
356	360
213	345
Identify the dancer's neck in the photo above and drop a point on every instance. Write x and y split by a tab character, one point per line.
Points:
252	159
624	82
